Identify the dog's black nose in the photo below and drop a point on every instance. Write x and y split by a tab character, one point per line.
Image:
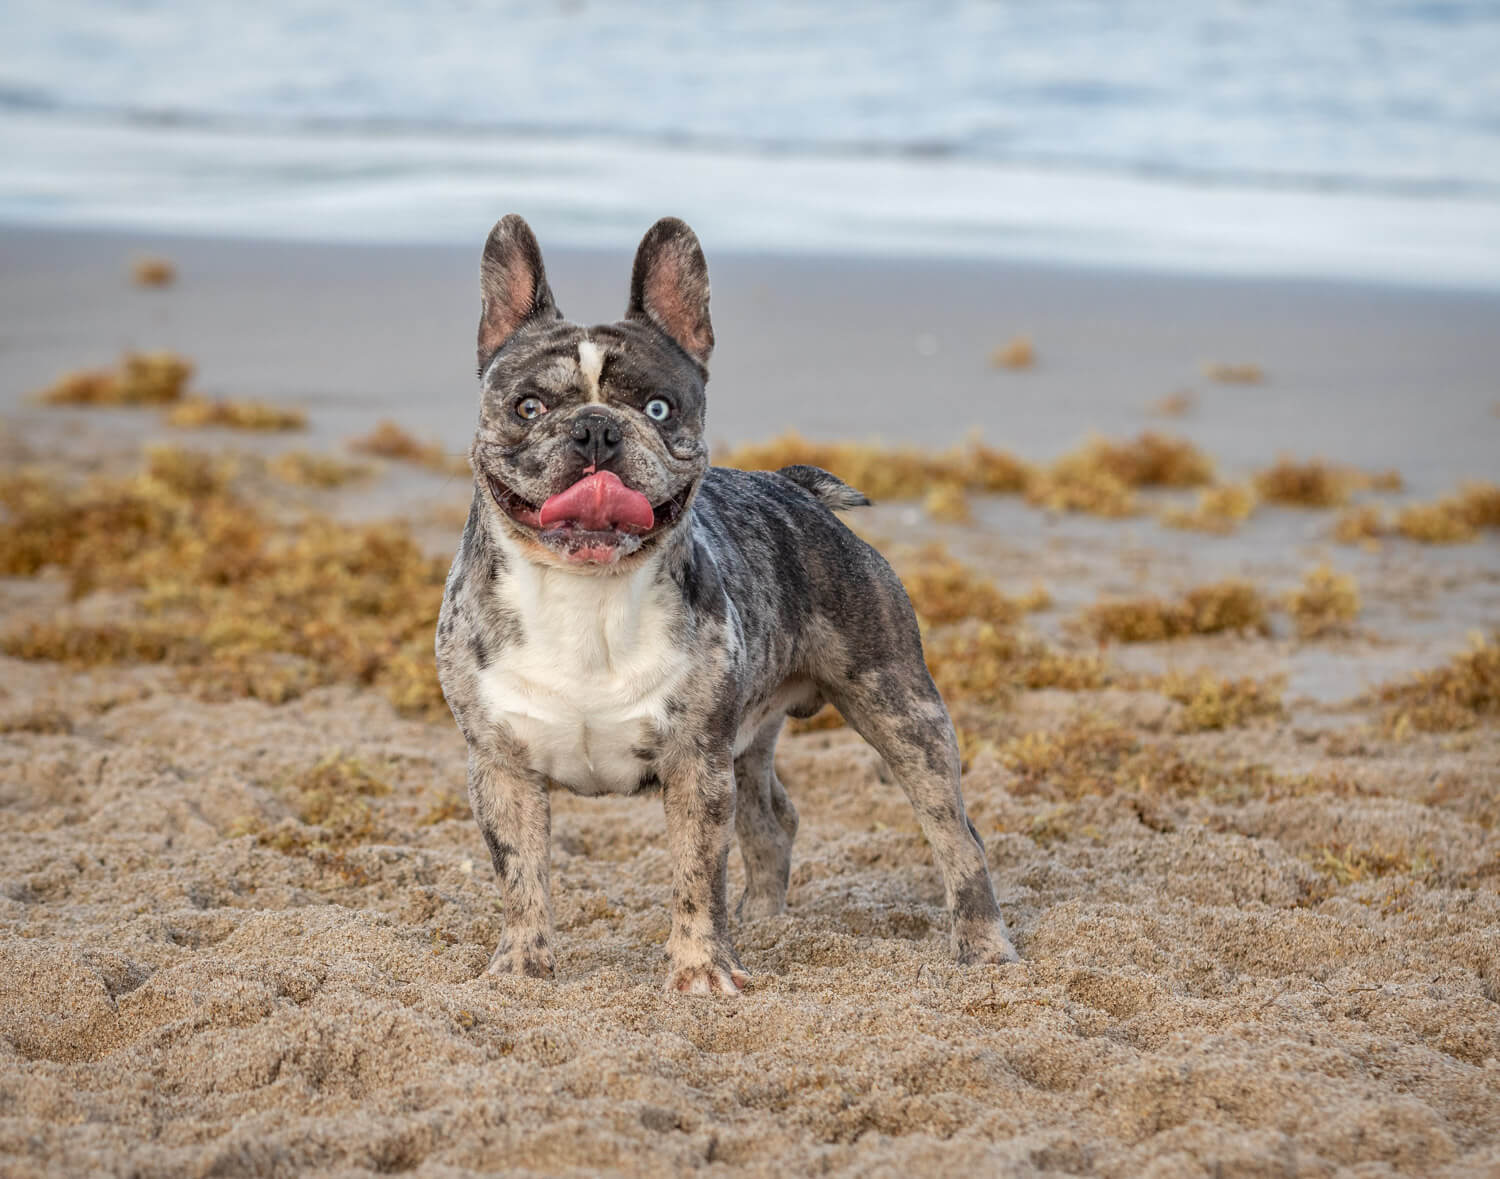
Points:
596	436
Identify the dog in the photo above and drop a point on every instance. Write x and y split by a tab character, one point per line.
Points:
622	617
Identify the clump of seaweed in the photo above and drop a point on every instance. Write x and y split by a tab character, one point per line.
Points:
948	504
389	441
1100	476
1219	510
334	795
1082	488
200	412
1234	374
1174	405
1458	695
1079	760
1230	605
1018	353
142	378
1364	524
889	472
306	469
1325	603
332	804
153	272
943	589
1311	484
1345	864
1211	702
983	665
1455	519
1092	757
243	603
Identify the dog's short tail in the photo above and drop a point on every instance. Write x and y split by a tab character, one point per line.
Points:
830	490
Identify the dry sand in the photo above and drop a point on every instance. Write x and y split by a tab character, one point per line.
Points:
1226	982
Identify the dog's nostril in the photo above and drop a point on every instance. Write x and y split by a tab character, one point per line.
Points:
594	433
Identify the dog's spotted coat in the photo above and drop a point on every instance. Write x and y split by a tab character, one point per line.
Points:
617	661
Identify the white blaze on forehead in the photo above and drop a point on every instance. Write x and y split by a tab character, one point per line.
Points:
590	364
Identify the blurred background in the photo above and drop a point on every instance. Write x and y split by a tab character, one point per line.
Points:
1348	139
888	195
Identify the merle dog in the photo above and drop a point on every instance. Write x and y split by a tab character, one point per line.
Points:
622	617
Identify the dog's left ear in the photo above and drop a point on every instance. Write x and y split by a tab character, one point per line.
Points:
669	287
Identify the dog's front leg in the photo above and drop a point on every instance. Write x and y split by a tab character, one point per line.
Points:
698	793
515	816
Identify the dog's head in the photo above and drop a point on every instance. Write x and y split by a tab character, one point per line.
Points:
590	440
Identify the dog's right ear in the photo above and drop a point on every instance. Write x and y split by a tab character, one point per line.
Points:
512	285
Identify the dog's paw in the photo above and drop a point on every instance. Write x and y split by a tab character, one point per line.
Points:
707	979
528	960
989	946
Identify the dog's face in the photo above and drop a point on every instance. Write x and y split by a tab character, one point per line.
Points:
591	440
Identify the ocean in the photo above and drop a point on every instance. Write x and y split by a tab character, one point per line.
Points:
1356	140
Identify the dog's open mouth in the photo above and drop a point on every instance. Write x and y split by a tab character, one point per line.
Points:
598	520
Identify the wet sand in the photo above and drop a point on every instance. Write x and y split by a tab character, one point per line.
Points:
1293	978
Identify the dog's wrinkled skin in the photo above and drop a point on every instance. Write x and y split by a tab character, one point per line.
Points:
623	659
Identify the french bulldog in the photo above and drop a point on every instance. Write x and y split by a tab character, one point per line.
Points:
622	617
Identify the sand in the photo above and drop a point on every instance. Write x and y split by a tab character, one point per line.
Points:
1296	980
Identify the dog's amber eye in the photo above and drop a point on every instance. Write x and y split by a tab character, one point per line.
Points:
658	409
530	408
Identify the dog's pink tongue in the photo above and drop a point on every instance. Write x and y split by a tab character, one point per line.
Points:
598	502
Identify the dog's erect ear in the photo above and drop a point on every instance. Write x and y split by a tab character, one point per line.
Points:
669	287
512	285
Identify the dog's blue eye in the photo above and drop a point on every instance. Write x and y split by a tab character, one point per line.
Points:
530	408
658	409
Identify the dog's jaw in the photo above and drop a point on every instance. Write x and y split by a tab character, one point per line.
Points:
569	545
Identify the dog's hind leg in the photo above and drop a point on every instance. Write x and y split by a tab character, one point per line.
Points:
766	822
898	710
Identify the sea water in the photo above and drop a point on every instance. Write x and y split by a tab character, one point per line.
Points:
1357	139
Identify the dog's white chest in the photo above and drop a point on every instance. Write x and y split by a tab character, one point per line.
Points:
589	681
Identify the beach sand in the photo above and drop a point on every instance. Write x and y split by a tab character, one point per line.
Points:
1294	970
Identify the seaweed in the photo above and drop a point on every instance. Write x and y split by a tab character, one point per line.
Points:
1458	695
1455	519
948	504
389	441
1311	484
153	272
1219	510
1211	701
1325	603
889	472
1234	374
1364	525
1174	405
200	412
943	589
1018	353
1230	605
142	378
306	469
243	603
1101	475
